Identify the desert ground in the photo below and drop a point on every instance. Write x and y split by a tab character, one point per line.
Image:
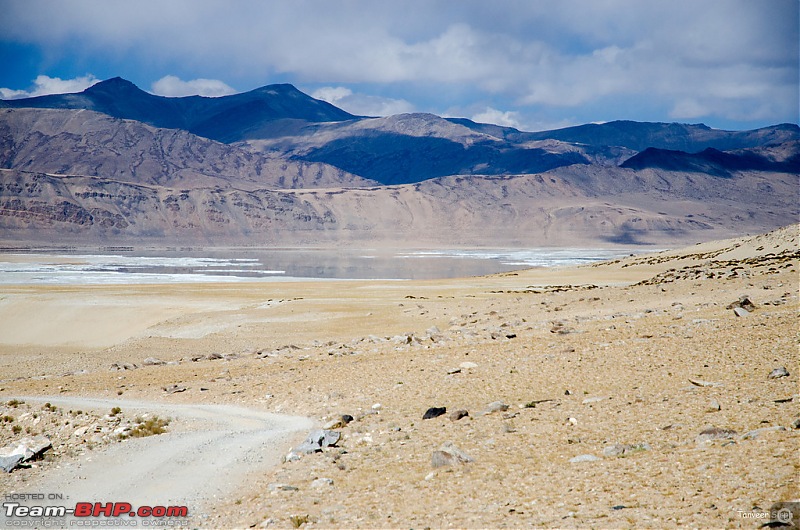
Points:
645	392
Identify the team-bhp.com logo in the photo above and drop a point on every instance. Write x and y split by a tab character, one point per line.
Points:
97	509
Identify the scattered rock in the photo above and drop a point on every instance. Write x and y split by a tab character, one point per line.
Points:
779	372
454	371
755	433
322	482
697	382
11	456
495	406
434	412
292	457
152	361
561	329
715	433
9	463
583	458
281	487
796	424
173	389
743	303
467	365
509	428
532	404
740	312
625	449
120	367
448	455
458	414
317	440
714	406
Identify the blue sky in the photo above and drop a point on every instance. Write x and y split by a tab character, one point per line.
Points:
533	64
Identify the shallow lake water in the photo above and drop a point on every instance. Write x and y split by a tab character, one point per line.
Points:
237	264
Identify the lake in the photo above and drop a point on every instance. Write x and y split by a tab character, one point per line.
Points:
123	266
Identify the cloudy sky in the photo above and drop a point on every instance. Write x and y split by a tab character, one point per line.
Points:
532	64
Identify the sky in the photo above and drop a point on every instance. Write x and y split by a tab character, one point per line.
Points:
530	64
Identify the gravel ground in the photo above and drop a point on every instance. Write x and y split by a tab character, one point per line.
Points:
642	364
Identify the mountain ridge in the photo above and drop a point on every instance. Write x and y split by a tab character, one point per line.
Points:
199	115
291	170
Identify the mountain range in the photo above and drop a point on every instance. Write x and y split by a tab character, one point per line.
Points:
276	166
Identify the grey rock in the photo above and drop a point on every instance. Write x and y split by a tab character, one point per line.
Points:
152	361
495	406
458	414
583	458
714	406
755	433
467	365
317	440
779	372
9	463
29	448
21	451
740	312
796	424
121	367
174	389
322	482
448	455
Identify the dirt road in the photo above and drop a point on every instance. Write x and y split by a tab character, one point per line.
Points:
208	453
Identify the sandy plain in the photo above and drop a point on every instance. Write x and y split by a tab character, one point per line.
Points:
639	355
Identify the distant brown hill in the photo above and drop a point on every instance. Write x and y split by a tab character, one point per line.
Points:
562	207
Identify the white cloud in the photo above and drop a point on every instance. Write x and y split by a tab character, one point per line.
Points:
44	85
362	104
172	86
332	94
498	117
569	54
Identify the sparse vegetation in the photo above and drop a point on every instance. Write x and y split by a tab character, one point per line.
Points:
149	427
14	403
115	411
298	520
